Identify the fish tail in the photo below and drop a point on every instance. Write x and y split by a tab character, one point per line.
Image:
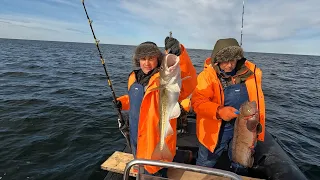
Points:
251	162
161	154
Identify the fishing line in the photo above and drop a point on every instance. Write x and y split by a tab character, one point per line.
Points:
242	22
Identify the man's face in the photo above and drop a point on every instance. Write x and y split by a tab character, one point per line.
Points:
228	66
147	64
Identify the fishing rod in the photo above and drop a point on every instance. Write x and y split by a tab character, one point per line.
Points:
123	125
242	22
170	35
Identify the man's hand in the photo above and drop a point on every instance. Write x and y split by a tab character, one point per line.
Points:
172	46
182	121
117	104
227	113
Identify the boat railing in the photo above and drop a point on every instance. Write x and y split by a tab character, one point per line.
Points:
187	167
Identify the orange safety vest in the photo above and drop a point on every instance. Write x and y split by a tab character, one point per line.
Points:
148	130
209	95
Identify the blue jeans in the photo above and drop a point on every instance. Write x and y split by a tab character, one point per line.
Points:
209	159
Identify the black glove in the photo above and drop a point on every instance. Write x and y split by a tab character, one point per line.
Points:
172	45
117	104
182	121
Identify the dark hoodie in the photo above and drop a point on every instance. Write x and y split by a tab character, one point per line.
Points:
226	50
239	75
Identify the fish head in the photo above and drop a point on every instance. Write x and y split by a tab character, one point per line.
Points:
249	108
250	112
170	67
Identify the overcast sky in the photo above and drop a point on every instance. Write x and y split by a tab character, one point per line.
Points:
286	26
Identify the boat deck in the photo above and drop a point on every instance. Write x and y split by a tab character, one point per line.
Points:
118	160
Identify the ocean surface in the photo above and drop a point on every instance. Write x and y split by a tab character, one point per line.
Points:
57	120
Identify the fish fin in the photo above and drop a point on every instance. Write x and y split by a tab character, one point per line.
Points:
173	88
169	130
154	89
157	88
259	128
251	162
252	149
163	154
251	125
175	113
187	77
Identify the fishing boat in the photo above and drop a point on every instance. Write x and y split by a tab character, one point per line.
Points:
270	162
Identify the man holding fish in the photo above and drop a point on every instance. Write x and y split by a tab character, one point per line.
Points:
228	86
155	90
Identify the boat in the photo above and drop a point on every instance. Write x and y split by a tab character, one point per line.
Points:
270	160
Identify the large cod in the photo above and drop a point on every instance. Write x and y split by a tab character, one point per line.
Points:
170	85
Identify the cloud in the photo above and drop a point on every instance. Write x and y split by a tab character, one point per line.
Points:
282	20
22	27
28	23
66	2
269	26
197	20
37	23
205	21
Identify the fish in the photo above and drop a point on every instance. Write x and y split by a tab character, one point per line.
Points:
169	108
246	130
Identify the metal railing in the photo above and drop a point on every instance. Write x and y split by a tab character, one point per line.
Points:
187	167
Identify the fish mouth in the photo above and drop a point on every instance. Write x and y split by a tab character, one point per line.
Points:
252	122
171	61
251	116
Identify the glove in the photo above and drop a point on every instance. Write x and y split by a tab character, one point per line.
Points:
117	104
172	45
182	121
227	113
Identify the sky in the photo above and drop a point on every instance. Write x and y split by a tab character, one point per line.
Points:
272	26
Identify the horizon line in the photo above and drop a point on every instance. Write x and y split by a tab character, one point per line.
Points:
158	46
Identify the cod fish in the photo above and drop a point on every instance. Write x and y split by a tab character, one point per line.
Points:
169	91
246	130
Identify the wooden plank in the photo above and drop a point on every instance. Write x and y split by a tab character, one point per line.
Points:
118	161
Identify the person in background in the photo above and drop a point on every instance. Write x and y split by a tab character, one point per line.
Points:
142	102
227	81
